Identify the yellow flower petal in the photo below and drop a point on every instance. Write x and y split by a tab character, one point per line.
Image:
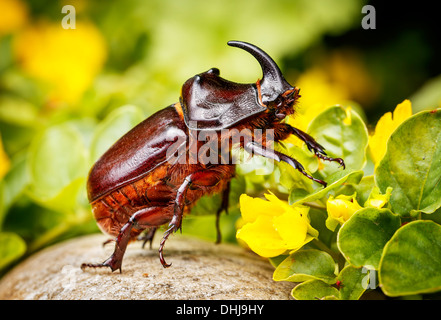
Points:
14	15
5	163
348	120
66	60
262	238
342	207
377	199
251	208
292	228
272	227
277	203
385	127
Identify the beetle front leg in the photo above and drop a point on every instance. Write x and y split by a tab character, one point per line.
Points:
314	146
254	148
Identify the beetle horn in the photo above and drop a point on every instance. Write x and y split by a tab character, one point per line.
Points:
273	83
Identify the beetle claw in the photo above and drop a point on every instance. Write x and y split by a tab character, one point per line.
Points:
161	245
325	157
113	265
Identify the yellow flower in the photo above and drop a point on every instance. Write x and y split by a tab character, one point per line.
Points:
385	127
377	199
4	161
67	60
272	226
340	209
14	15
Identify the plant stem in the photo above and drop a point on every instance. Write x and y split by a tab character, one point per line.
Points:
315	205
335	255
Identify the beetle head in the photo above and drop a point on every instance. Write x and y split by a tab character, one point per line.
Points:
275	91
210	102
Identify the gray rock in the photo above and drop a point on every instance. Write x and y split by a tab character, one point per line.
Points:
200	270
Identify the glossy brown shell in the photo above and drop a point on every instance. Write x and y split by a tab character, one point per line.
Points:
137	153
210	102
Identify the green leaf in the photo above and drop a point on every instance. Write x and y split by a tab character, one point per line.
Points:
318	222
58	160
113	127
362	238
412	165
291	178
275	261
364	189
411	260
13	184
352	282
314	290
12	247
344	135
306	265
334	181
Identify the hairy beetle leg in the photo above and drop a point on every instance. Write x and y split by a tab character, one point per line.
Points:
278	156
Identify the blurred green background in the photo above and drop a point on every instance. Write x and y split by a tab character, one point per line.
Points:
67	94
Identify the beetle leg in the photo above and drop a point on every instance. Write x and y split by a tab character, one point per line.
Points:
114	262
180	203
161	246
176	221
254	148
148	237
205	178
314	146
223	207
108	241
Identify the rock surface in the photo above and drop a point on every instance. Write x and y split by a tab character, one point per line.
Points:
200	270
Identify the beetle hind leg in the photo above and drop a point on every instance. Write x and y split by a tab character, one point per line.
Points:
114	262
140	218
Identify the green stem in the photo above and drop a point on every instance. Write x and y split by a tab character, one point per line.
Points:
319	244
315	205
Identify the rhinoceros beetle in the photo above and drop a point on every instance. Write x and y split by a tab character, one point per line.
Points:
141	183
